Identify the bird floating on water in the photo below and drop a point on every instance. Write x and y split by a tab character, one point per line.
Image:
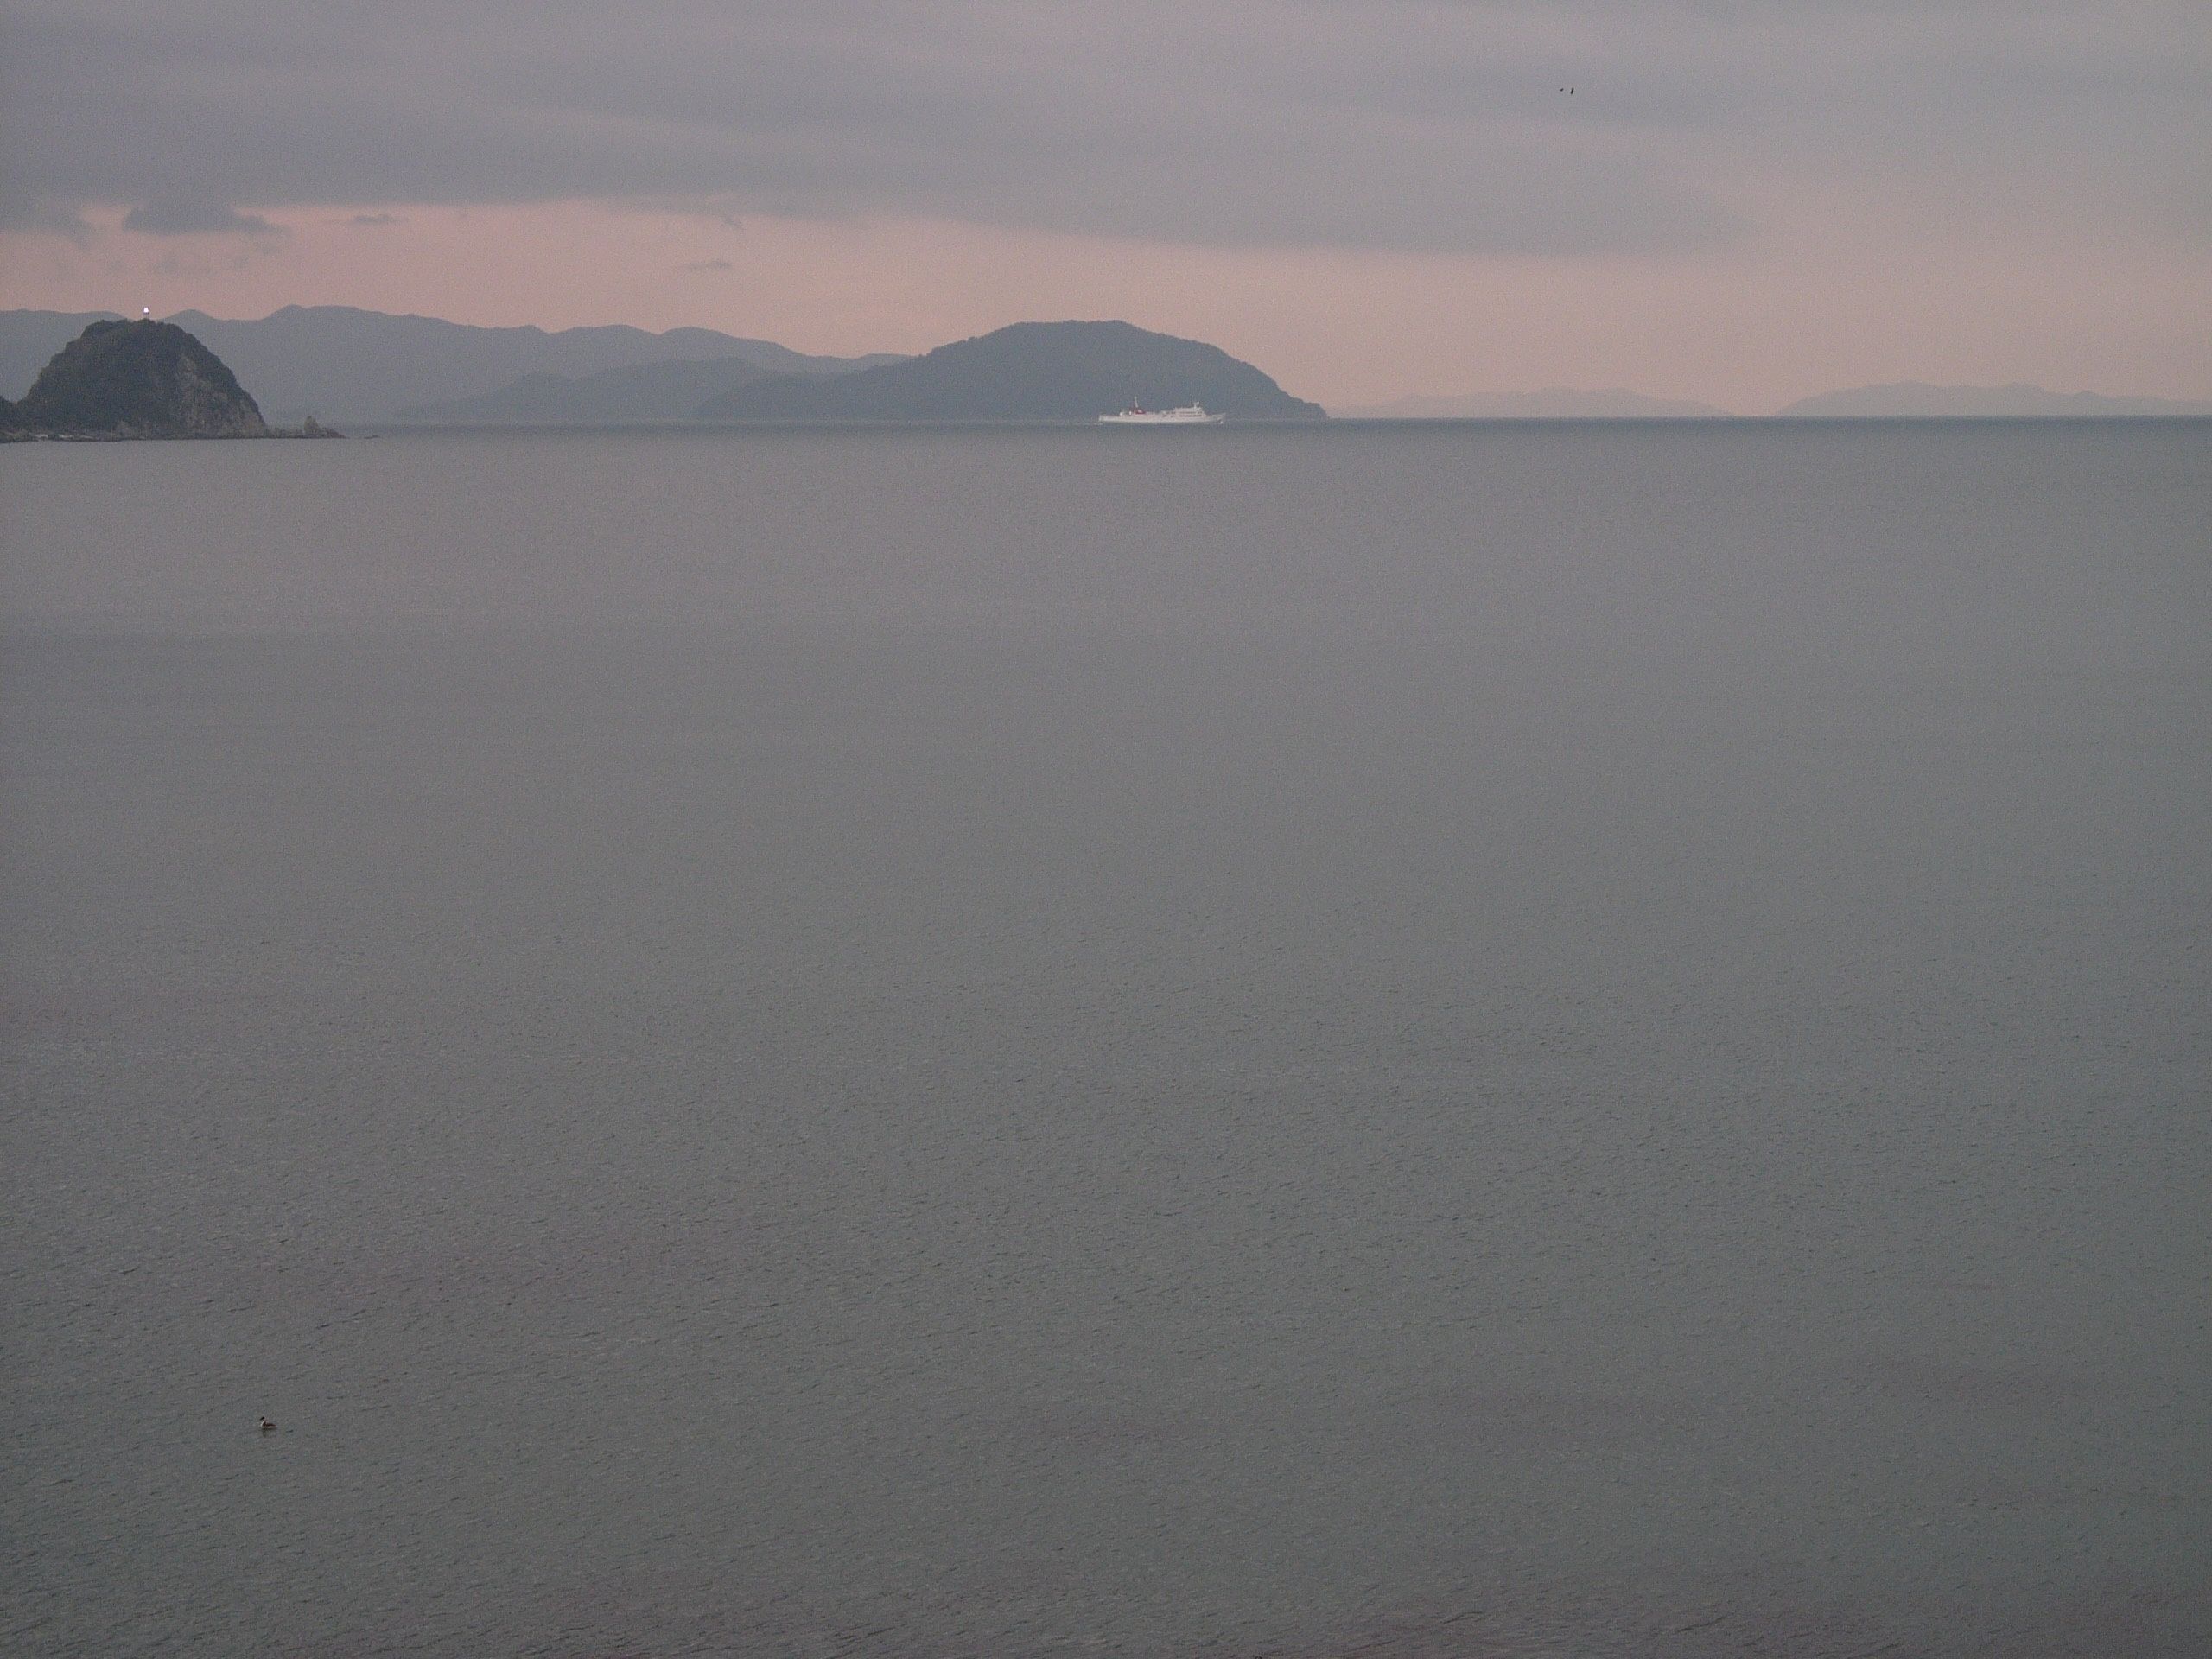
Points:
268	1427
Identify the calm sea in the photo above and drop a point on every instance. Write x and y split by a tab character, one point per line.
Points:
1583	1039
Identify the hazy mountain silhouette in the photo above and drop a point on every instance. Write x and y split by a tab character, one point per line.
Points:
1029	371
1552	403
1914	398
639	393
337	362
363	365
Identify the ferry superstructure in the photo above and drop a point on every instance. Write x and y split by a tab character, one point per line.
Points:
1138	415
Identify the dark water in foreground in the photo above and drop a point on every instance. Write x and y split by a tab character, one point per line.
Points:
1482	1040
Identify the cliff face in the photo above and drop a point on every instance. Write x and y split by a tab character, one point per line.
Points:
138	380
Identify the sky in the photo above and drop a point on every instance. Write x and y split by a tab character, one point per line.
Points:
1744	202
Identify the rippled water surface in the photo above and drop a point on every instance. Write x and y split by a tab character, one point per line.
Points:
1463	1042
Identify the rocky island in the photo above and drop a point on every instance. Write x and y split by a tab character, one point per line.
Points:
143	379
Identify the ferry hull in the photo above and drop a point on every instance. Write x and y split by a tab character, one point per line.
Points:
1190	414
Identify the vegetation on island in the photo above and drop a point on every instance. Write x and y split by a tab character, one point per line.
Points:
143	379
138	380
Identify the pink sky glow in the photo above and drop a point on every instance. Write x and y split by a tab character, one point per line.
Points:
1909	292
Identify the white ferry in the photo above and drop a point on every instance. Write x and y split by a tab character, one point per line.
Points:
1138	415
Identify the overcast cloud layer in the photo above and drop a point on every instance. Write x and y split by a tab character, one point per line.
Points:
1355	123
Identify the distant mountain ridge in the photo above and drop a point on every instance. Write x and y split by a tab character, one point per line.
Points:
340	363
636	394
1073	371
1552	404
1913	399
365	366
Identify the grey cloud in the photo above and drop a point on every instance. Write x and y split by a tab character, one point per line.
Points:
372	219
195	216
1399	123
704	265
41	215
